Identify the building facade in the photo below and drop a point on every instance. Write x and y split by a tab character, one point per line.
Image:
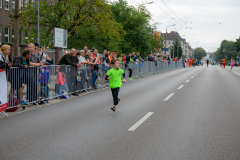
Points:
6	7
169	39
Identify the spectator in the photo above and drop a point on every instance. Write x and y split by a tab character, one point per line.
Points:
5	62
32	77
129	65
85	50
97	61
17	76
44	56
60	80
105	61
95	53
121	58
88	55
137	58
110	55
67	59
82	69
44	80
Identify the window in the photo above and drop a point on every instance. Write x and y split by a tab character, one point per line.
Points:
20	4
7	4
0	34
26	37
0	3
13	4
6	34
13	36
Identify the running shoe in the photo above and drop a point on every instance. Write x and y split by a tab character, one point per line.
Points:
22	103
113	109
130	79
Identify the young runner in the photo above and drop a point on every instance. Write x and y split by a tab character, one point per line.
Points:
115	75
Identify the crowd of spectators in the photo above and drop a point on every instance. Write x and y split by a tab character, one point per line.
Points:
77	70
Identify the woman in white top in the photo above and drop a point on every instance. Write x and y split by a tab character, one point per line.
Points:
81	70
44	56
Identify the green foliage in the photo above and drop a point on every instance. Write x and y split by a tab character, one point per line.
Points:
199	53
237	44
84	19
158	43
227	50
113	26
135	22
176	51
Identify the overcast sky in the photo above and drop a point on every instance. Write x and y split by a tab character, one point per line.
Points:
203	23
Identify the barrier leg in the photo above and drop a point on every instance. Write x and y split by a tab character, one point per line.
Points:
5	114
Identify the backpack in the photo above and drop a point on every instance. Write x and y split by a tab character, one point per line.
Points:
12	105
96	67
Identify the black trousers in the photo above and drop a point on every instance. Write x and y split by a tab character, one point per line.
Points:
130	72
115	92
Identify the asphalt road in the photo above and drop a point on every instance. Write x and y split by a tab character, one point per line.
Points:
185	114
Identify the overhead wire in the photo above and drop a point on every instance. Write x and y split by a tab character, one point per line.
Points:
186	26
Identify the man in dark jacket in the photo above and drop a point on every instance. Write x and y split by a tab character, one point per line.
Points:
17	75
70	70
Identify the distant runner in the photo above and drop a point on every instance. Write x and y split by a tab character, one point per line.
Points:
223	63
207	62
232	61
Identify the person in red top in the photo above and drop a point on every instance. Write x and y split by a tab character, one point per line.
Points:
223	62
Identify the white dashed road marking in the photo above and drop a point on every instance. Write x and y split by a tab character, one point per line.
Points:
168	97
181	87
136	125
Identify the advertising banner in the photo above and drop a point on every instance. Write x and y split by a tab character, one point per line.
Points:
3	90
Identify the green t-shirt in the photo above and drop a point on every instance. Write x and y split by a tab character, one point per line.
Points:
116	75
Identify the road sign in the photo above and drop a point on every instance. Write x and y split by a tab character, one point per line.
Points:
60	38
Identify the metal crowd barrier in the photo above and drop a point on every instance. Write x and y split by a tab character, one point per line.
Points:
36	85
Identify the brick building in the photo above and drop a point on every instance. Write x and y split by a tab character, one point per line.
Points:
7	33
6	7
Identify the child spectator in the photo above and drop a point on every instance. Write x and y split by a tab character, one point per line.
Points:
44	80
60	80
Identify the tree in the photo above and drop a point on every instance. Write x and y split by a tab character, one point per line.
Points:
199	53
84	19
237	44
227	50
135	22
176	50
158	42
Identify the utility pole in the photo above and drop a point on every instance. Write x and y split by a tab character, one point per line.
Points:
38	26
16	28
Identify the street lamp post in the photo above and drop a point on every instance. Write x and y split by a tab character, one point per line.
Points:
166	38
38	25
139	11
